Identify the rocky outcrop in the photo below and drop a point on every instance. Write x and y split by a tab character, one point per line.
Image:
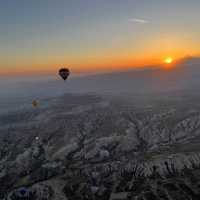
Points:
150	154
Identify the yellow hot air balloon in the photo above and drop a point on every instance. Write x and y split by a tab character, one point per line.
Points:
35	103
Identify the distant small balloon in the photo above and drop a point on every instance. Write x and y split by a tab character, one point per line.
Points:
23	192
64	73
34	103
104	154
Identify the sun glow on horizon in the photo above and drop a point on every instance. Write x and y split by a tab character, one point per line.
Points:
168	60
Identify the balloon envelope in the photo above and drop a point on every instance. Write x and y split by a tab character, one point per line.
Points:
34	103
23	192
64	73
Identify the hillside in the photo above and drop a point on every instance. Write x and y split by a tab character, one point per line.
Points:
80	135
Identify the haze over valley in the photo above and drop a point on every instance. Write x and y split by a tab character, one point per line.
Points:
132	122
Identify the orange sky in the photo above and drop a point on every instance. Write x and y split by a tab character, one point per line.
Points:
93	64
123	56
95	36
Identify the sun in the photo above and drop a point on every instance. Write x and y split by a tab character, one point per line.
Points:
168	60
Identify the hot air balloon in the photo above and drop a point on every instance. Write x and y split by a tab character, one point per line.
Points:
37	138
23	193
64	73
34	103
104	154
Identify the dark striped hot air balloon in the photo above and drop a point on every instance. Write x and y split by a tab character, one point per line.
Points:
64	73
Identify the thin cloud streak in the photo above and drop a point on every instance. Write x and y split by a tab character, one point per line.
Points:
137	20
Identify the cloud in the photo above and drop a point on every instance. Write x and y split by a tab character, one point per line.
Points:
137	20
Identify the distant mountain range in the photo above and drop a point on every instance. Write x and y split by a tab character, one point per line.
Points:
184	76
190	60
